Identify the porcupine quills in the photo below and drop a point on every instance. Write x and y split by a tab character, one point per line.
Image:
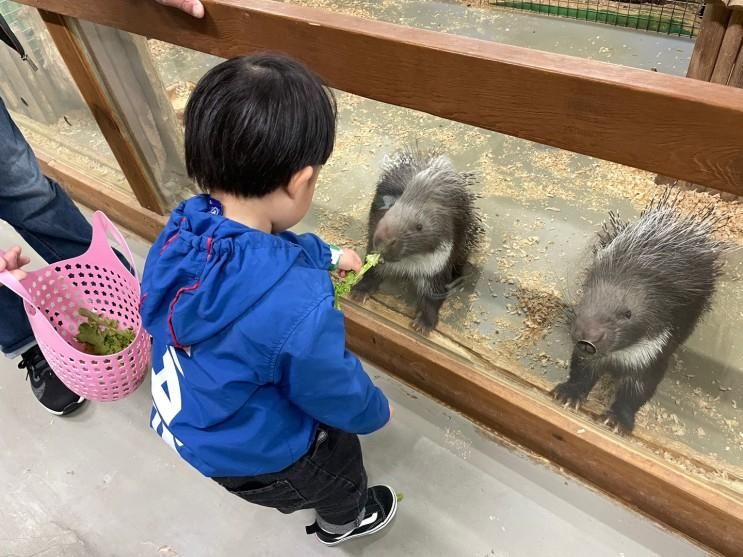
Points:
648	285
424	223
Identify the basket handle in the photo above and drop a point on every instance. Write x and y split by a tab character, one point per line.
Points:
7	279
102	227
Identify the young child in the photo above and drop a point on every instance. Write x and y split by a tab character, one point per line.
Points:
252	384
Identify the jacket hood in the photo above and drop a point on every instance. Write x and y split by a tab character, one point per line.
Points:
205	271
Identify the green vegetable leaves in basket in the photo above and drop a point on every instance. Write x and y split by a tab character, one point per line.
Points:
343	286
100	336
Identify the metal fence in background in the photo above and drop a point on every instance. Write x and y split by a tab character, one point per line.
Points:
671	17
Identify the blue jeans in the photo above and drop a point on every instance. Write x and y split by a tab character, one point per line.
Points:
43	215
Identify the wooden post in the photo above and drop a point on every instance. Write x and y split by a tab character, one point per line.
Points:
736	78
717	58
709	41
124	66
113	126
729	49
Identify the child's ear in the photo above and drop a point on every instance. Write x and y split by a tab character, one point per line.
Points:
299	181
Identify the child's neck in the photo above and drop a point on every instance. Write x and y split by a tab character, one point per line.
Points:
252	212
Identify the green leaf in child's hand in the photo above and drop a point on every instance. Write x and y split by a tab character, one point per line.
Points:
343	286
100	336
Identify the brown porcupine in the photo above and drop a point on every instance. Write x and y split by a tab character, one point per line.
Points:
424	223
646	289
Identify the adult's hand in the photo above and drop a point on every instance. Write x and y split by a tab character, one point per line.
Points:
191	7
12	260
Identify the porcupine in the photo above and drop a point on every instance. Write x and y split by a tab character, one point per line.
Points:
646	289
424	223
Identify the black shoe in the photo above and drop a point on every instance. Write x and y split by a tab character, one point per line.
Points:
381	507
47	388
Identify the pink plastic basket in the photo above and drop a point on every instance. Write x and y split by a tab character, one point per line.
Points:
97	281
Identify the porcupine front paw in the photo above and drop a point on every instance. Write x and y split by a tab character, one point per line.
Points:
360	296
423	324
569	394
621	422
362	291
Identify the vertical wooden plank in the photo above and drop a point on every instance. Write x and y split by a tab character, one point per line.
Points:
709	41
125	69
113	127
729	49
716	51
736	77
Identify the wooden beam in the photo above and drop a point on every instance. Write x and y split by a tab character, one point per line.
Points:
636	478
681	128
120	207
113	127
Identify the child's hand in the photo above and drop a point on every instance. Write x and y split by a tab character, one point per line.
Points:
12	261
349	261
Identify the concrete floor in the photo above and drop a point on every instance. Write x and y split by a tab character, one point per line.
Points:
102	484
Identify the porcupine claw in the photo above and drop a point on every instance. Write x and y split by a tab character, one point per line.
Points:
614	423
359	297
566	394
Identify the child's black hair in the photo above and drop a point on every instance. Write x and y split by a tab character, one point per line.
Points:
252	122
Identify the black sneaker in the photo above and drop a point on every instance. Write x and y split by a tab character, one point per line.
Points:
47	387
381	507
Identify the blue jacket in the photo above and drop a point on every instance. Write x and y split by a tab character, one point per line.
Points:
248	351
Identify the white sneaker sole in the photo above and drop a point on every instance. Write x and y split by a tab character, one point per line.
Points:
379	526
65	412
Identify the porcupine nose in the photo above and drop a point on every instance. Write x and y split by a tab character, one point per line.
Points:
587	346
384	236
589	339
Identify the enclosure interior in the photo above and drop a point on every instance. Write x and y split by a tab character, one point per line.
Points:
542	208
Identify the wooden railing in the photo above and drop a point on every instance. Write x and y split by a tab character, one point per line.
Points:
648	120
686	129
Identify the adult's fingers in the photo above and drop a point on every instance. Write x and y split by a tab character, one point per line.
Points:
191	7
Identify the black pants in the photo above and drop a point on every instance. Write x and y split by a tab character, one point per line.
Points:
330	478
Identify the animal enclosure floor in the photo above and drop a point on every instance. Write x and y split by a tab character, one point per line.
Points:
101	484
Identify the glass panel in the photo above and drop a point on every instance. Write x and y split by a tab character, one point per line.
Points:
542	208
47	105
179	69
480	19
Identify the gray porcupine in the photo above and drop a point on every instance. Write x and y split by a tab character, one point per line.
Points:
646	289
424	223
